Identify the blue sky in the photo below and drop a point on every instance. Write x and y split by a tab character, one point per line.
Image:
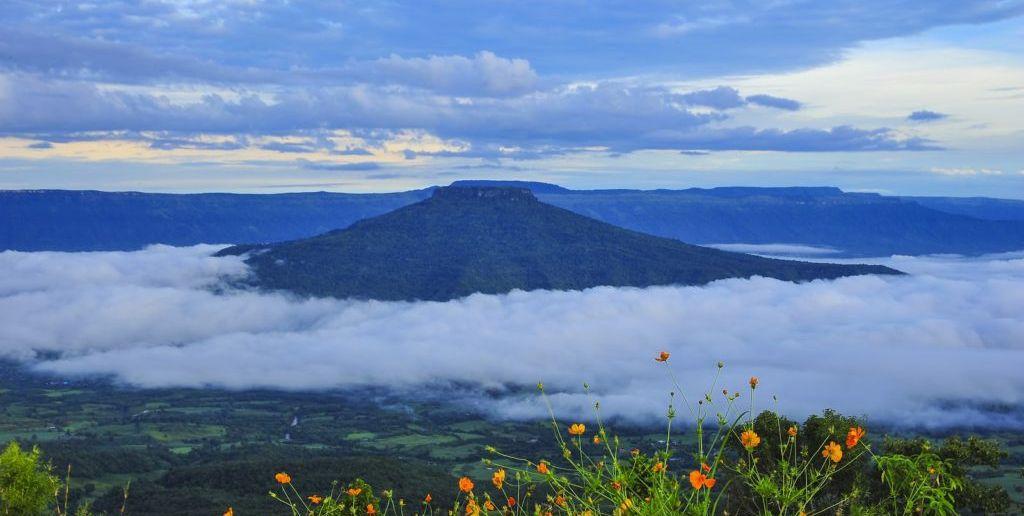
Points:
909	97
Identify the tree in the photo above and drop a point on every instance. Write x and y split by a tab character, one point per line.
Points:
27	486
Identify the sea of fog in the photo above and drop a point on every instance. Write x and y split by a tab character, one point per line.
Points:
942	346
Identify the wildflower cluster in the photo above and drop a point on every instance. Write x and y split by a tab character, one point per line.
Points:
767	465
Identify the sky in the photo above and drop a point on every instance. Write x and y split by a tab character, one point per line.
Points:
939	347
918	97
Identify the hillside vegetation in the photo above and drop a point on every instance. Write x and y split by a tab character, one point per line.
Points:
465	240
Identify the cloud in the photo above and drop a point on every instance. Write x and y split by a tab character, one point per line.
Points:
774	102
722	97
483	74
322	165
926	116
965	171
933	348
622	118
268	41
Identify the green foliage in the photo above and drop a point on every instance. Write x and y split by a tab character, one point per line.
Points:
958	456
919	483
494	240
27	486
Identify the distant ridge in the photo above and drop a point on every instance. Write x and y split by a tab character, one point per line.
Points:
854	224
464	240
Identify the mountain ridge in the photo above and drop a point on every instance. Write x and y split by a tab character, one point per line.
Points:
856	224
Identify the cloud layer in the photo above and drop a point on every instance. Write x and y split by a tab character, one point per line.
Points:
943	346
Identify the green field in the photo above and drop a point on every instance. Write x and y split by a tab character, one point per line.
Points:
190	451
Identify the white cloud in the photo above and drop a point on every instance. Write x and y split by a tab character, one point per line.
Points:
893	348
953	171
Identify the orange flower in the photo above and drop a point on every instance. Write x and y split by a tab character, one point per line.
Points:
354	491
498	478
833	452
511	502
753	382
560	501
472	508
229	512
577	429
597	439
663	356
616	486
315	499
465	484
854	436
658	467
542	468
704	466
428	498
791	431
749	439
370	510
283	478
489	505
699	480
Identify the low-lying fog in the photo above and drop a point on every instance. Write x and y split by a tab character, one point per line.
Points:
943	346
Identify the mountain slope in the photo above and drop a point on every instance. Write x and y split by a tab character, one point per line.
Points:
491	240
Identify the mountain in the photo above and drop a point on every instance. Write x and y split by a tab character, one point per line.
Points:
977	207
464	240
70	220
854	224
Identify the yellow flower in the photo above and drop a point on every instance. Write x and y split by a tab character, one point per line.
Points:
542	468
753	382
354	491
229	512
597	439
489	505
854	436
315	499
749	439
472	509
626	505
577	429
833	452
499	478
283	478
465	484
663	356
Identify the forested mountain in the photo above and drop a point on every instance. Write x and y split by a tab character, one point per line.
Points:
464	240
854	224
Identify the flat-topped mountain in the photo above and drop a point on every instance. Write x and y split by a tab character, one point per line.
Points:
464	240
